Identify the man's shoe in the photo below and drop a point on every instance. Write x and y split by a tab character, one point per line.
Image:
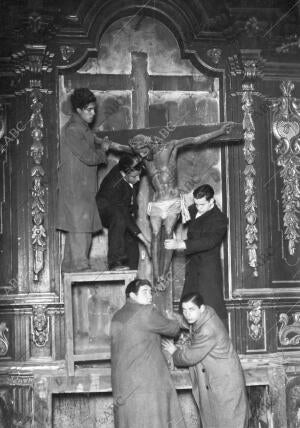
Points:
118	266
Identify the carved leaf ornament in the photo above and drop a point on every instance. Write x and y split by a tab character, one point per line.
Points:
286	129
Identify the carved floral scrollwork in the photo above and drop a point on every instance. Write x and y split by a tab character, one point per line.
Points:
40	325
3	339
289	334
250	173
254	320
38	191
286	129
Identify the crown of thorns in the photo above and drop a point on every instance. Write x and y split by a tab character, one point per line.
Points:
141	141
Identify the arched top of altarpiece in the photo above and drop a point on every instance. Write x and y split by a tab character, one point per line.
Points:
184	20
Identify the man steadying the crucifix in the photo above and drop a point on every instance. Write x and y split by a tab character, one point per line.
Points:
160	160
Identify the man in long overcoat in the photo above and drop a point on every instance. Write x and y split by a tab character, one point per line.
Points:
143	392
217	378
77	212
206	230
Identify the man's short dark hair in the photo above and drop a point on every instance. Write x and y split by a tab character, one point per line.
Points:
135	285
195	298
128	164
204	191
81	97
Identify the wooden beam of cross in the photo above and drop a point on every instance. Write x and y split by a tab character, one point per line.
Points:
175	133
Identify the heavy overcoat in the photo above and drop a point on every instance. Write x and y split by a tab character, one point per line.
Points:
143	391
217	377
77	178
114	191
203	273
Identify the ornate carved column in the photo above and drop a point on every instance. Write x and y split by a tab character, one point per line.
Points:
32	63
286	129
250	208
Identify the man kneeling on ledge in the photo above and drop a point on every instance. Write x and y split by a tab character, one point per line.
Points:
117	204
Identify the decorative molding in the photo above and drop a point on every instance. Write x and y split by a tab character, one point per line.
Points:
254	320
16	380
214	54
2	121
31	299
286	129
270	293
4	345
290	45
3	151
38	207
289	335
250	72
40	325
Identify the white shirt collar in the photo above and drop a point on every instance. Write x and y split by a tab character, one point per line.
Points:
124	176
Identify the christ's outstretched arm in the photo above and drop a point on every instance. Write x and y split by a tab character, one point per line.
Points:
203	138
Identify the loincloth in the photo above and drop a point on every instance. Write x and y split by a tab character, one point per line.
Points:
164	209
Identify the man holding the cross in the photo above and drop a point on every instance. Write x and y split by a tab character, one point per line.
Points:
160	160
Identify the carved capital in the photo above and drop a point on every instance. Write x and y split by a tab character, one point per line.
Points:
31	63
40	324
286	129
252	63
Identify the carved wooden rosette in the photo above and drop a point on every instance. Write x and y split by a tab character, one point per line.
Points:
38	206
249	171
286	129
215	55
66	52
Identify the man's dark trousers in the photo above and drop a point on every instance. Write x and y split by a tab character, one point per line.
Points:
122	244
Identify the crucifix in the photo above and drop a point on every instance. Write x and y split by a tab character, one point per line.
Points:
158	147
160	159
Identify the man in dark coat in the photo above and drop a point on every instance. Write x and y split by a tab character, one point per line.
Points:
206	231
143	392
117	205
77	181
218	383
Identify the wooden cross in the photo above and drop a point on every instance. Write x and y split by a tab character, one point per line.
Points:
140	83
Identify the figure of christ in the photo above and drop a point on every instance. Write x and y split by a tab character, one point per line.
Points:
160	160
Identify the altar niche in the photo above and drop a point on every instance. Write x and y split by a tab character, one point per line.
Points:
140	81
